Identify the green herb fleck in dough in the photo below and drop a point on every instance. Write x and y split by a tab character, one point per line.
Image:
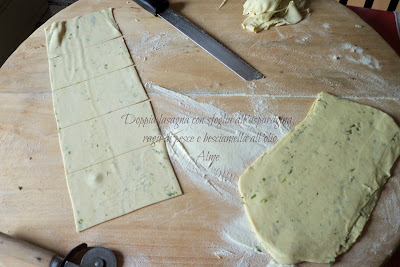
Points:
80	221
258	249
106	66
253	196
172	194
19	188
323	102
284	180
264	200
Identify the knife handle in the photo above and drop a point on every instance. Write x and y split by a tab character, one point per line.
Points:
15	252
155	7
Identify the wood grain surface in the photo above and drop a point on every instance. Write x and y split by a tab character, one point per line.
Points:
298	61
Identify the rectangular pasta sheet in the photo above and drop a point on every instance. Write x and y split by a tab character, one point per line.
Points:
87	63
121	185
95	97
64	37
111	170
105	137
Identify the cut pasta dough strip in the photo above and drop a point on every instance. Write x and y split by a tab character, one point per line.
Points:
87	63
64	37
107	136
121	185
99	96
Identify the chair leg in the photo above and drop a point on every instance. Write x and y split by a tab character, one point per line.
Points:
368	3
393	5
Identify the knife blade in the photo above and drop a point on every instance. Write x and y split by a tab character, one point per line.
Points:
225	56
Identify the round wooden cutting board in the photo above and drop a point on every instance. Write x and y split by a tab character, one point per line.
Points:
326	51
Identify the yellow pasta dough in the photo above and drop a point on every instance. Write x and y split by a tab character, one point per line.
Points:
310	196
111	169
262	14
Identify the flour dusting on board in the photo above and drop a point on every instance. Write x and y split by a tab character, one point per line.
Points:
343	67
359	56
219	177
272	263
139	259
149	44
326	26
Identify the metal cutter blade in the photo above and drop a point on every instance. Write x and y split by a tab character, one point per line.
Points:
228	58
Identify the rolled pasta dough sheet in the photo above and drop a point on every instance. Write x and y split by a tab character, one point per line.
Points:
110	166
309	197
107	136
87	63
121	185
63	37
95	97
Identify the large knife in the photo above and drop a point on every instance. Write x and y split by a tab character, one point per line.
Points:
228	58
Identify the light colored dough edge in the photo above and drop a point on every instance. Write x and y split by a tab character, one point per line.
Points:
389	157
256	230
107	13
387	161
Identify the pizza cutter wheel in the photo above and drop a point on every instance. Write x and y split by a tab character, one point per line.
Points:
15	252
94	257
99	257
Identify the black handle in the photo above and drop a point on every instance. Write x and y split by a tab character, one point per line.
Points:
155	7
